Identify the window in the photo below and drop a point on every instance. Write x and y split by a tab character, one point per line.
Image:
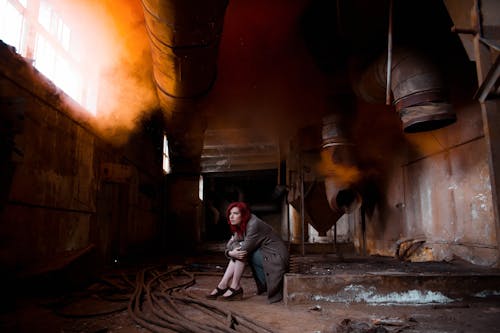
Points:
40	33
200	188
166	157
11	22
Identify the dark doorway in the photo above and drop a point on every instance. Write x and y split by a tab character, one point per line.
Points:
256	188
110	230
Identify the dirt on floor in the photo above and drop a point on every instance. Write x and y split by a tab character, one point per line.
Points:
171	298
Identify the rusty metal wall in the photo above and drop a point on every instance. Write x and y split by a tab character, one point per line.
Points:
51	197
448	203
441	195
50	200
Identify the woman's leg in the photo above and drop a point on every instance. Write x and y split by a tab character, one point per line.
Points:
228	275
231	278
232	269
258	271
237	269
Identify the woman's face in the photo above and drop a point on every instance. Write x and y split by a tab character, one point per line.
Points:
235	216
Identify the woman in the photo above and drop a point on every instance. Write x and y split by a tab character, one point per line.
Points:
254	241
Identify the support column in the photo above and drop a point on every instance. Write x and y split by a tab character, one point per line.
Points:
490	110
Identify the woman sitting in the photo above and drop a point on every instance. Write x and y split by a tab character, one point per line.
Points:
255	242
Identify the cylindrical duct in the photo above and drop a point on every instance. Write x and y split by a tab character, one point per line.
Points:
339	168
184	37
417	87
329	186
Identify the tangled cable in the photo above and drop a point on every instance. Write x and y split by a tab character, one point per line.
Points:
159	298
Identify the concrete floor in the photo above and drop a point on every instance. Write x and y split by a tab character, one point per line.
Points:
92	310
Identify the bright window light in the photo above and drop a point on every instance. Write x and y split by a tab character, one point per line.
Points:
11	24
53	60
166	157
66	76
45	56
51	47
200	188
44	15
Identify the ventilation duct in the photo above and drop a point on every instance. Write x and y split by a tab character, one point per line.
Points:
184	37
339	168
329	174
417	88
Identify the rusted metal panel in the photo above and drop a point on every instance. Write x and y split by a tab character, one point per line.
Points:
470	183
448	201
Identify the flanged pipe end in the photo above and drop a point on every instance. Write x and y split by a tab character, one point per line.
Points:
426	117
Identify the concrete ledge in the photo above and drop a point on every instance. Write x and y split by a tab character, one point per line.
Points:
376	286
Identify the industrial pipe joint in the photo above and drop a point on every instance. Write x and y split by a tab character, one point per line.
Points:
418	90
338	167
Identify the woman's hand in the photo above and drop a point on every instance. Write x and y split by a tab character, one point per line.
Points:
238	254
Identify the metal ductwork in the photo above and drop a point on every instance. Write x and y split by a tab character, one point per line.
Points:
339	168
418	90
329	174
184	37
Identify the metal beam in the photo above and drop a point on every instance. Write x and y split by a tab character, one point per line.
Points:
491	123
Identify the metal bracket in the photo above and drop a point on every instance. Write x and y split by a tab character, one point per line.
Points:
489	81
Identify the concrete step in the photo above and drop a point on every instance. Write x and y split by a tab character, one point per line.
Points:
381	280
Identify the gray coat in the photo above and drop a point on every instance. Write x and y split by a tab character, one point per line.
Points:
260	235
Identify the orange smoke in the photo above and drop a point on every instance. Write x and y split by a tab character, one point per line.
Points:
115	48
342	172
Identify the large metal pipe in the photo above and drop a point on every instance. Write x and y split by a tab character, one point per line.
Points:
327	191
339	168
417	87
184	37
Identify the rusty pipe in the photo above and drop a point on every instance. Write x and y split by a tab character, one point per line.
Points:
339	168
184	37
417	86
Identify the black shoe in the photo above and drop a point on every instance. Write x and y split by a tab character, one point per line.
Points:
236	294
218	293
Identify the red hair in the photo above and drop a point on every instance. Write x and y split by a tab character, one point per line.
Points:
245	217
